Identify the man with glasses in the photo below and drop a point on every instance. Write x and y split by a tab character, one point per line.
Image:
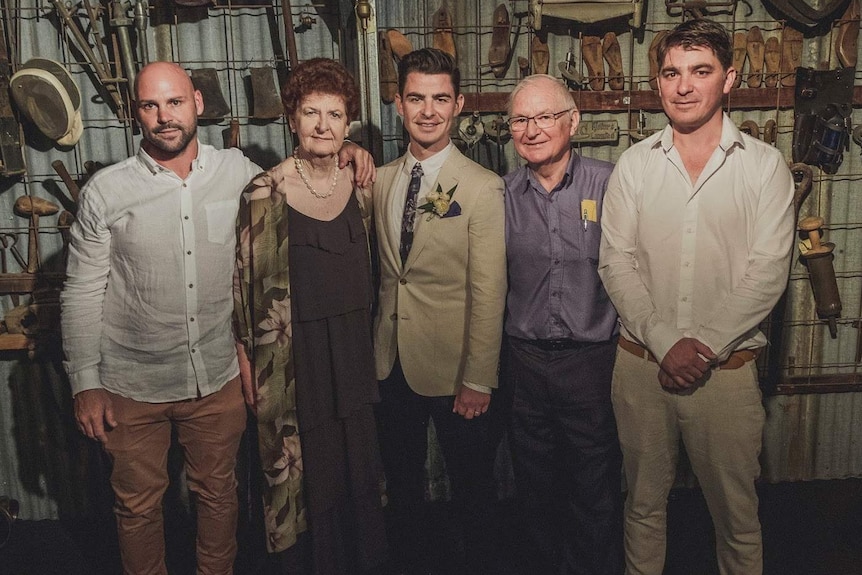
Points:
561	332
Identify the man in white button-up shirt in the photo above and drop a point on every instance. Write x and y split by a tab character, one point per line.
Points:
697	236
147	322
146	317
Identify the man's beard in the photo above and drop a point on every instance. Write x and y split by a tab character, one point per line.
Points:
174	146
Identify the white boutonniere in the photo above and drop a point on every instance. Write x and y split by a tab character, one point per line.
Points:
440	204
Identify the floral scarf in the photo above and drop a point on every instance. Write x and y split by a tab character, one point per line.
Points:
263	317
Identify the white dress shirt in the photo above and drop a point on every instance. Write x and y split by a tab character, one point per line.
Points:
147	304
430	170
706	259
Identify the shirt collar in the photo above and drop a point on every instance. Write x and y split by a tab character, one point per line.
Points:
730	136
571	168
154	167
430	165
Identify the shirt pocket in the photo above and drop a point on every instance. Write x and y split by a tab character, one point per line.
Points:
221	221
590	236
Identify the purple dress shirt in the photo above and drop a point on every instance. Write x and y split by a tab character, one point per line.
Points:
553	255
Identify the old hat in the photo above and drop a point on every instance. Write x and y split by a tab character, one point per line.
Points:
46	94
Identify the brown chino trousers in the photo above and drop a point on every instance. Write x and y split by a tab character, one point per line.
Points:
209	430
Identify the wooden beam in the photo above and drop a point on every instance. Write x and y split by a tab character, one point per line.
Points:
27	283
647	100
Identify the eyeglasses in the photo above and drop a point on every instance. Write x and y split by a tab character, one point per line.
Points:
543	121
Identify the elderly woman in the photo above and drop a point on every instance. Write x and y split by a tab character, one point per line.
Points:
306	328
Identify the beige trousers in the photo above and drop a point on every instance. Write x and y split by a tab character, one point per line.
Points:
721	424
209	431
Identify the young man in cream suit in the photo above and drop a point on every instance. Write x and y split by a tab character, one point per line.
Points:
440	229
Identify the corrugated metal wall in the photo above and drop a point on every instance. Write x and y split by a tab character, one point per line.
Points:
43	461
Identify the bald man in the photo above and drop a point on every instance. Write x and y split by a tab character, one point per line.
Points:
146	317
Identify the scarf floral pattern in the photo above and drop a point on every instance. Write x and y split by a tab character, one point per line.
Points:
263	317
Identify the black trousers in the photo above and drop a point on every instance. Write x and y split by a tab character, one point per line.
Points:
469	449
566	457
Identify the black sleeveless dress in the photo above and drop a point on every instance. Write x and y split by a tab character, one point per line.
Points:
330	279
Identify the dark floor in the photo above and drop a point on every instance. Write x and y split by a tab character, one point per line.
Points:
811	528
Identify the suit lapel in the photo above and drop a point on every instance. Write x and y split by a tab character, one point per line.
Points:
390	246
424	228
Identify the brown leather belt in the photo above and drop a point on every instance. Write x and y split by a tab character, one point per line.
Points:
736	359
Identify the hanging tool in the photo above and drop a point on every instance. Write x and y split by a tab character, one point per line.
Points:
71	184
568	68
122	23
818	257
471	129
32	207
265	98
498	132
11	152
141	7
289	34
99	63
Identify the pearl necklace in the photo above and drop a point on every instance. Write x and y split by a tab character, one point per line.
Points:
335	170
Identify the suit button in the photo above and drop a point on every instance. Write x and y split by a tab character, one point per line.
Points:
402	281
393	317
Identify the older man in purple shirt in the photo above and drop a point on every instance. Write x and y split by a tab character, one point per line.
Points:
561	341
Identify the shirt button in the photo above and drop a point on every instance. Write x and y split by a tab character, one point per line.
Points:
194	350
185	217
685	299
191	285
393	317
188	253
402	281
185	185
556	294
191	319
556	262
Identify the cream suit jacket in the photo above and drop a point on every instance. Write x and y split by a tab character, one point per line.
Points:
442	312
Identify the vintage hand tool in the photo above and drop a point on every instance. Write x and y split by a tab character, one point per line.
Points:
122	23
289	33
819	258
8	241
471	129
266	102
443	39
71	184
499	52
613	56
141	7
99	63
206	81
32	207
569	69
10	134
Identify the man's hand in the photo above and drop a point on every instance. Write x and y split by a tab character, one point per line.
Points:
94	411
364	171
246	377
470	403
683	364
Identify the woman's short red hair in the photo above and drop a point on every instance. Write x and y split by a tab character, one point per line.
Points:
323	76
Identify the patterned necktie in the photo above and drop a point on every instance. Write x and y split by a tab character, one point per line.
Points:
409	217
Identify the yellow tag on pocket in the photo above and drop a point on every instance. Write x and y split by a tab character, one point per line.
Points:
588	210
